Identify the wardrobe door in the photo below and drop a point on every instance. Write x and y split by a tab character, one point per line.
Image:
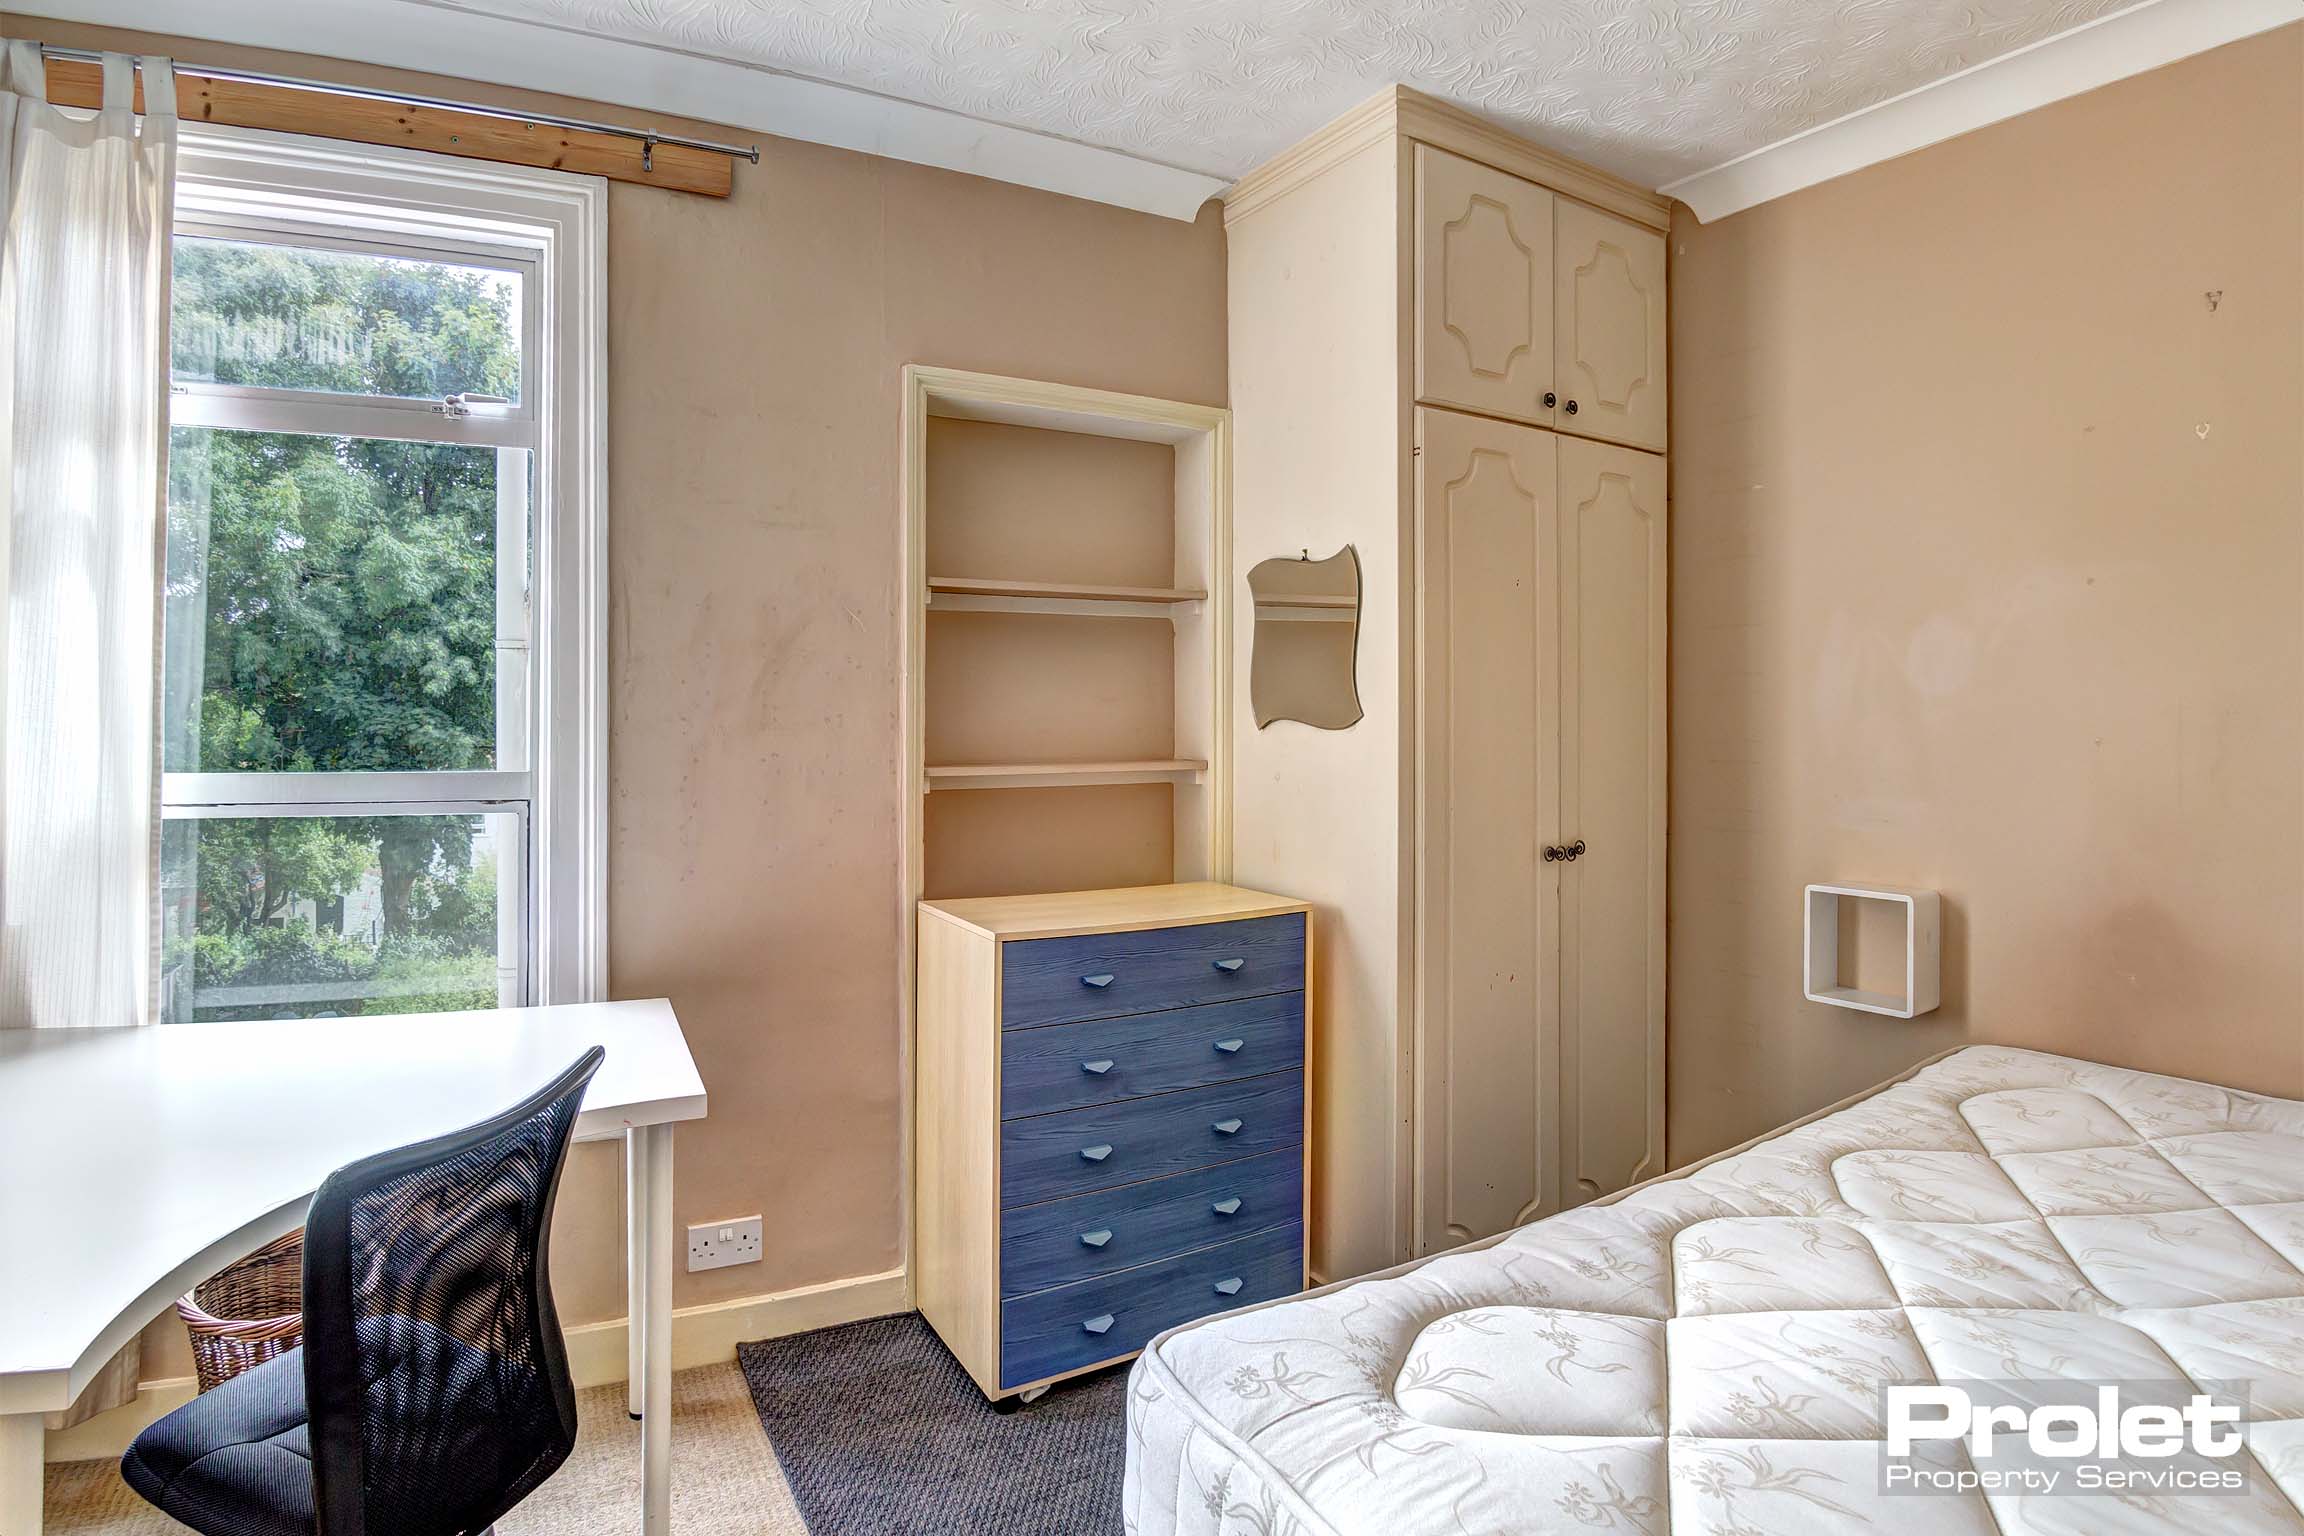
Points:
1608	275
1487	910
1483	288
1612	764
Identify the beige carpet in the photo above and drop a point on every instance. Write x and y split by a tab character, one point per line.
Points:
725	1481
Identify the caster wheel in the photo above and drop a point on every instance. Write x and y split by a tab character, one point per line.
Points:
1007	1405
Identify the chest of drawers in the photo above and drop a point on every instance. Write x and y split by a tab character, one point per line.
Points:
1110	1118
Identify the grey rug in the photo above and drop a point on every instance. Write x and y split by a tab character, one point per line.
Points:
880	1431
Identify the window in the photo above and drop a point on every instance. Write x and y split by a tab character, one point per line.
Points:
381	703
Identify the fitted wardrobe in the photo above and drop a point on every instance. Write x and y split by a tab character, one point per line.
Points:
1448	350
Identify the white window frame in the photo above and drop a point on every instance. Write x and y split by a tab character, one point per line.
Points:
551	227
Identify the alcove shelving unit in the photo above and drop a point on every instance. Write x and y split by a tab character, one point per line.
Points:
1067	622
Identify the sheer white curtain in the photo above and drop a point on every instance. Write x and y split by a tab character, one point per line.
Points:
84	226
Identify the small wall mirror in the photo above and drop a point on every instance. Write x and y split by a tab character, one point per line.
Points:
1307	639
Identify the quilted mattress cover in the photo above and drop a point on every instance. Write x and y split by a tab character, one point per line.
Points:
1704	1353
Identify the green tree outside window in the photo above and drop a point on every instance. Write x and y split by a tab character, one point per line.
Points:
332	608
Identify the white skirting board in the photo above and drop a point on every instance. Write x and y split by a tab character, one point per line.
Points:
708	1334
703	1335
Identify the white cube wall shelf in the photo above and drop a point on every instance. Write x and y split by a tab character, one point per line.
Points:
1923	950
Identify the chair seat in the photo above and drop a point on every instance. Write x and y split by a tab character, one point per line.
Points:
237	1461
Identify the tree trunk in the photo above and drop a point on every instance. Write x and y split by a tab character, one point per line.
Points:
275	895
399	882
401	859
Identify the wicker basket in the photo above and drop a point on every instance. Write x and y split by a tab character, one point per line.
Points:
249	1313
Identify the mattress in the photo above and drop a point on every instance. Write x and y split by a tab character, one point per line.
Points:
1705	1353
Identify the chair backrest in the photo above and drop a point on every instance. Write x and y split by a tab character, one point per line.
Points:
434	1370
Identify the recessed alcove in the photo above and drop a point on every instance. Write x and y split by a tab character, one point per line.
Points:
1066	608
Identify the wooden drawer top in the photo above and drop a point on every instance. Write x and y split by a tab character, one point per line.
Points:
1058	1242
1148	970
1103	1061
1075	1326
1113	911
1080	1151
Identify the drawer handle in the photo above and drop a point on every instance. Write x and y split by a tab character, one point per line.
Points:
1230	1047
1230	965
1099	981
1095	1068
1101	1323
1097	1153
1228	1206
1226	1127
1097	1238
1229	1287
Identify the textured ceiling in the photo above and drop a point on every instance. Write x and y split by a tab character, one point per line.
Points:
1651	89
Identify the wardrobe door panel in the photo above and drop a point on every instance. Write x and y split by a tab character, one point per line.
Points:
1609	279
1487	637
1613	532
1483	288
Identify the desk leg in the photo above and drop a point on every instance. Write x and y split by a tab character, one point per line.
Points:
636	1225
23	1436
651	1150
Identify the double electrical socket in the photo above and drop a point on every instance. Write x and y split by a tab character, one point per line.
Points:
718	1244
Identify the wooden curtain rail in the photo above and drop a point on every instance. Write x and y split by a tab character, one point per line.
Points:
242	100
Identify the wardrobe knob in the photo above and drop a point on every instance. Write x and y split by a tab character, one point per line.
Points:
1097	1238
1101	1323
1226	1127
1551	400
1571	407
1228	1287
1099	981
1228	1206
1097	1153
1230	1047
1229	966
1096	1068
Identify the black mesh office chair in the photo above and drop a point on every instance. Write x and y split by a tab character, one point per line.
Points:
431	1393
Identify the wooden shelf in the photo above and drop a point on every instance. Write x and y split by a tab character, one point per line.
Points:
1043	775
973	586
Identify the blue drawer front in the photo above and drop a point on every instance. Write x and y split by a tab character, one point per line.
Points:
1070	1066
1099	975
1081	1325
1048	1157
1063	1241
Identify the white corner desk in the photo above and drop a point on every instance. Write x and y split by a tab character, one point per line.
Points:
137	1162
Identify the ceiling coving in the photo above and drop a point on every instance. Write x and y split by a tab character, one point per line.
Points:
1653	90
